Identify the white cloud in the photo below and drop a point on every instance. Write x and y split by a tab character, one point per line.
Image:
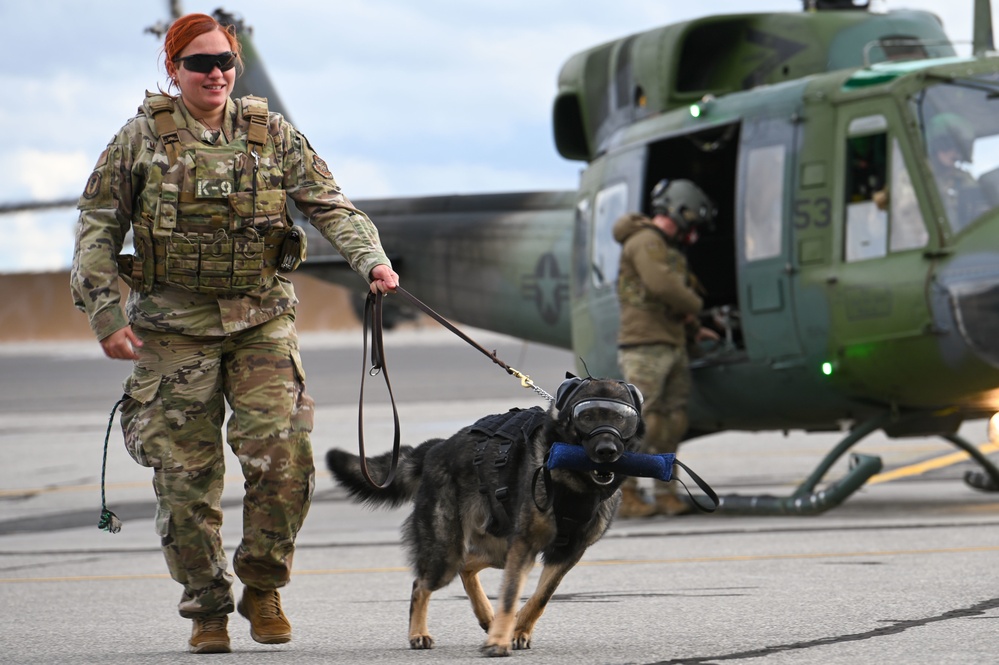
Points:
44	242
51	175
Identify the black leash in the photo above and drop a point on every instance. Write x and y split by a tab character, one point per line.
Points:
525	380
373	317
109	521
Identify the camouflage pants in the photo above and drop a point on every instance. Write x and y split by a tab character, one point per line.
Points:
662	373
173	423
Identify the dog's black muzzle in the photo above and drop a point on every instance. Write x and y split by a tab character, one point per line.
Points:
603	446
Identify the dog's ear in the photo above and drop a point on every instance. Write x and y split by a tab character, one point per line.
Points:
636	396
566	389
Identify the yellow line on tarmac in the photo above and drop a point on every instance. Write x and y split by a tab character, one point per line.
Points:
608	562
930	465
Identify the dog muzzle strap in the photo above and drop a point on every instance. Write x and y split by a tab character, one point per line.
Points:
574	458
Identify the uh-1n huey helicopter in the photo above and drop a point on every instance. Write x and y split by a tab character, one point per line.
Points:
854	277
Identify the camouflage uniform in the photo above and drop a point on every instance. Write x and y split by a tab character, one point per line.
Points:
205	345
656	294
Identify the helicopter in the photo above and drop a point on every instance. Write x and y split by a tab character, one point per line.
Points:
852	282
854	287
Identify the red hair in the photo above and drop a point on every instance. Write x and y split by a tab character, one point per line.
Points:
185	30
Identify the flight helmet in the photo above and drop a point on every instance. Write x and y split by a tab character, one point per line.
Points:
683	202
950	131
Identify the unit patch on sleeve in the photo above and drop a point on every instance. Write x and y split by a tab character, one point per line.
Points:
320	166
93	185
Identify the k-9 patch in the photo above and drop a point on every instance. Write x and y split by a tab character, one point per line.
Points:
214	173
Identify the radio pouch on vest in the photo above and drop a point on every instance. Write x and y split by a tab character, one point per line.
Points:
293	249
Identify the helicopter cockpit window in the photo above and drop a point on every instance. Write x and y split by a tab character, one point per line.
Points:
866	191
960	123
610	203
882	212
908	231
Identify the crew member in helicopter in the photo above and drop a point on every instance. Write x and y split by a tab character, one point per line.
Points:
660	300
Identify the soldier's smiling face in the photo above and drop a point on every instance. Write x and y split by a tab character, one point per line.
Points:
205	93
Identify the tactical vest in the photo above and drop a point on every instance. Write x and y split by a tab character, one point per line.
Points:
210	219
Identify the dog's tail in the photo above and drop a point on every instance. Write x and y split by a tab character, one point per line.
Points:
346	468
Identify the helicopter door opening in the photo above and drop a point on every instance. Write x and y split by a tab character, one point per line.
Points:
709	158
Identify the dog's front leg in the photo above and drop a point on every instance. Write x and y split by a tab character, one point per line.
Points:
519	560
473	588
551	577
419	634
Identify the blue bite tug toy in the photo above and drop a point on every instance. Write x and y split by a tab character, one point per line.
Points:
660	467
574	458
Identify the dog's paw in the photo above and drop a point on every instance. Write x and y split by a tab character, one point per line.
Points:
421	642
521	641
495	650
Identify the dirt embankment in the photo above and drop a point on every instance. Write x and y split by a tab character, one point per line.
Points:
38	307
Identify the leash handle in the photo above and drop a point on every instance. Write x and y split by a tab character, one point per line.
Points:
373	316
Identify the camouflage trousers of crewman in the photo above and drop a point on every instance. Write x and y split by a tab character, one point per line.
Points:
662	373
173	423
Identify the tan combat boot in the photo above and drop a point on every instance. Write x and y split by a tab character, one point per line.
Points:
672	505
209	635
268	624
633	504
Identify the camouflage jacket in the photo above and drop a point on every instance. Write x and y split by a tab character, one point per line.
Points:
116	195
655	290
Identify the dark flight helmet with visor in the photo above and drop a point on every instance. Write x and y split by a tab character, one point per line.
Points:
683	202
949	131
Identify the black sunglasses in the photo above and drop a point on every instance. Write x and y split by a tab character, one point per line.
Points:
204	63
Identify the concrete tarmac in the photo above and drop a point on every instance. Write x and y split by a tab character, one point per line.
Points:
901	572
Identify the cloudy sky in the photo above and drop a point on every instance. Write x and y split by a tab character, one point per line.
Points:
400	97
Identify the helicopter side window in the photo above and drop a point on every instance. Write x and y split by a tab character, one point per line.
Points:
882	212
764	207
611	202
908	231
866	196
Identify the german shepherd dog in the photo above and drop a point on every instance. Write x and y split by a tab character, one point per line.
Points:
484	498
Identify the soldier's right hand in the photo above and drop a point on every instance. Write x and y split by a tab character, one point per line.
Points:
121	344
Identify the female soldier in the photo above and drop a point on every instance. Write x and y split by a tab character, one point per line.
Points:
202	181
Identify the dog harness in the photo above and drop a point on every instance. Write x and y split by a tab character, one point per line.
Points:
500	436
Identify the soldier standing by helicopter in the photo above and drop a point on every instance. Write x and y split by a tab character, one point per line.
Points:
660	300
201	180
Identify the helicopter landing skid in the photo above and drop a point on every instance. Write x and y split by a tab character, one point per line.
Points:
805	500
985	479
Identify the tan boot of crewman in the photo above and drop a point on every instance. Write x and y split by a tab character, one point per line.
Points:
268	624
672	505
633	504
209	635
